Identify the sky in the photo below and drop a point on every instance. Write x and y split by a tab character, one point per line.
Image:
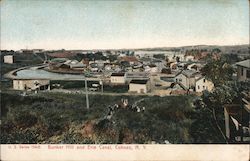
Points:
75	24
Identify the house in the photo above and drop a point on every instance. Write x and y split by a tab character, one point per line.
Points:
129	76
94	67
159	63
57	61
145	61
58	66
151	68
189	58
8	59
117	78
101	63
237	120
202	84
187	78
139	86
173	65
243	70
76	65
31	84
131	59
193	66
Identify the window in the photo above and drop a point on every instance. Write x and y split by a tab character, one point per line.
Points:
203	87
204	80
242	71
248	73
198	87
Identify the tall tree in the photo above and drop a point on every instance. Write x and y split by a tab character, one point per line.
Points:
218	71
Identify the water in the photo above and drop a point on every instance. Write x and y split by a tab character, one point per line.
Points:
42	74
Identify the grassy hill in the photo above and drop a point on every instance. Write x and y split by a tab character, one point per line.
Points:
63	118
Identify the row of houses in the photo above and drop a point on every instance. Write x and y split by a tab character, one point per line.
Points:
123	78
190	80
138	82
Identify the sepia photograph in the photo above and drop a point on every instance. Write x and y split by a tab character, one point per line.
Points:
124	76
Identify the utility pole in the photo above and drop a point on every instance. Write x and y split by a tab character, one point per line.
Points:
101	83
87	96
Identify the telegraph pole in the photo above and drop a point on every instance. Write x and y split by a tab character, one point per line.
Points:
87	96
101	83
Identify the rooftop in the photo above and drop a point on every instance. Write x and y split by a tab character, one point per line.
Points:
118	74
244	63
139	81
189	73
136	74
129	59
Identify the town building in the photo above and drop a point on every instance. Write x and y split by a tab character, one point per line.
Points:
139	86
194	66
129	76
202	84
130	59
145	61
243	70
237	120
75	65
117	78
189	58
152	68
173	65
31	84
8	59
187	78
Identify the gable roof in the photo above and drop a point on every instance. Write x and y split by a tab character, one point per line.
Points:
188	73
244	63
177	85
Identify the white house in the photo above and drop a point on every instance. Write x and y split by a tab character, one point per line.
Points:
202	84
186	78
31	84
243	70
189	58
151	68
139	86
117	78
74	64
9	59
192	66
